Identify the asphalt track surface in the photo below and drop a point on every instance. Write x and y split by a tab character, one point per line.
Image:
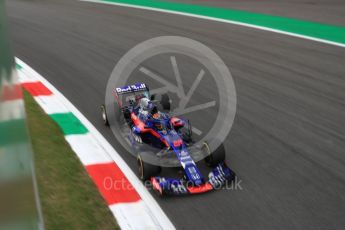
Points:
288	139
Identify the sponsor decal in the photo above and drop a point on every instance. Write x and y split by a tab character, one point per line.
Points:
131	88
156	185
178	143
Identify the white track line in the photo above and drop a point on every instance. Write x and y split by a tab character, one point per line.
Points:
219	20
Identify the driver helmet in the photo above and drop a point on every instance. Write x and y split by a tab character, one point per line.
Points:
145	104
138	97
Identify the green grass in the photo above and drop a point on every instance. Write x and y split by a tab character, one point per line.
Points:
69	198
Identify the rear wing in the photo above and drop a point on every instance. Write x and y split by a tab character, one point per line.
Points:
131	88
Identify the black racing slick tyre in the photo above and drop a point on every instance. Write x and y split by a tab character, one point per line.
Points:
146	170
104	115
127	115
165	102
214	158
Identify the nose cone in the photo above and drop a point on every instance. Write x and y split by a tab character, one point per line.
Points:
173	139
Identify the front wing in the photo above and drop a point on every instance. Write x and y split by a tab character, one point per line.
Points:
217	178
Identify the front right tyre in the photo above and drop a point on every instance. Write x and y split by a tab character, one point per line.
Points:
146	170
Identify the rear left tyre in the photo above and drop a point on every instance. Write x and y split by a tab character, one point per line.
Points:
165	102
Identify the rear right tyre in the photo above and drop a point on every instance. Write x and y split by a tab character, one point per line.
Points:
104	115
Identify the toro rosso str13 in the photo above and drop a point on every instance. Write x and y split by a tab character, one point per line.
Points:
170	136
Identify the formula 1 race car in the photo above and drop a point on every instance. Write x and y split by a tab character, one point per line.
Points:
167	137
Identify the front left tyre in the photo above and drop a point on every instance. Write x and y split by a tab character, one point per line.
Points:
214	158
